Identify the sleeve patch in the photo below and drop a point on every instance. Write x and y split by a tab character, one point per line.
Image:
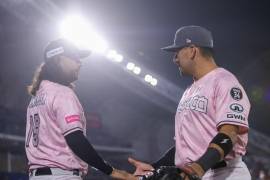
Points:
236	117
72	118
238	108
236	93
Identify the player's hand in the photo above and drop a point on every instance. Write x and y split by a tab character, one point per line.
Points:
172	172
166	173
192	171
122	175
142	168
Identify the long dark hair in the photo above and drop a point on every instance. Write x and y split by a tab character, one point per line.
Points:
51	71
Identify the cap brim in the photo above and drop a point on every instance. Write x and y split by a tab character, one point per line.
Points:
171	48
84	53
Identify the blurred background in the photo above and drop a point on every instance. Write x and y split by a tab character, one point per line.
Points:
129	88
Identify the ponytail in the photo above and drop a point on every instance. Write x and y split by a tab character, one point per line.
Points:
33	88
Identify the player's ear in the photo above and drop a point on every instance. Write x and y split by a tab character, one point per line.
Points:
192	51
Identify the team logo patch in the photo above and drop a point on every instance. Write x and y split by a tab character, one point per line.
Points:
236	108
236	94
72	118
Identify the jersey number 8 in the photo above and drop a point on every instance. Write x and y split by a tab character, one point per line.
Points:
33	130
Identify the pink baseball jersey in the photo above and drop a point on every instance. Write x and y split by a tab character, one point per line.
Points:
214	100
53	113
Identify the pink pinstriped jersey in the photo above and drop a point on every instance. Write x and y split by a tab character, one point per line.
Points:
215	99
53	113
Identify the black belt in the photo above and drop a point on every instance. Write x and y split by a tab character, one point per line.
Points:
220	164
47	171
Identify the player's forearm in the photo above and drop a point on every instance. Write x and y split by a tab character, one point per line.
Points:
166	160
219	147
85	151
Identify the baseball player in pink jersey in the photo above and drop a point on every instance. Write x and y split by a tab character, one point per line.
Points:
56	144
211	121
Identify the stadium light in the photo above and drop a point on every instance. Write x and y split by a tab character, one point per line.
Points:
148	78
80	32
113	55
153	82
77	30
119	58
130	66
137	70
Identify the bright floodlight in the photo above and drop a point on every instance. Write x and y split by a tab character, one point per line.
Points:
153	82
137	70
111	54
76	29
119	58
130	66
148	78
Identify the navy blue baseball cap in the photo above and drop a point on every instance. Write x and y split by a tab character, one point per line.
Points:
188	35
65	48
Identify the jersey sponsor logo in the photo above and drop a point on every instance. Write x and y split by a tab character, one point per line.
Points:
236	116
236	94
37	101
72	118
196	103
236	108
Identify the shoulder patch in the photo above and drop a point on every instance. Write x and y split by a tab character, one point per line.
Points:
236	93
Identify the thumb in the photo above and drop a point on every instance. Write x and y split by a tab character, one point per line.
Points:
133	161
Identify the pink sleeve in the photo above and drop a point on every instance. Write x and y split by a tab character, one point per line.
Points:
231	104
68	113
